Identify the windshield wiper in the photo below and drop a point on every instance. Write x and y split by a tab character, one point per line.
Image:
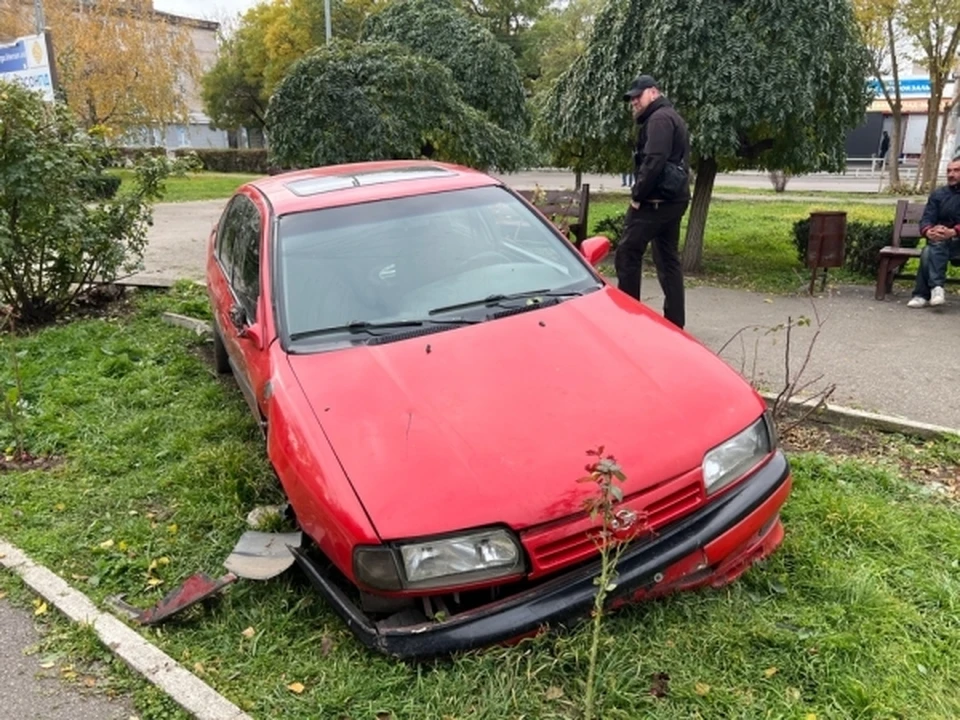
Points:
499	299
363	326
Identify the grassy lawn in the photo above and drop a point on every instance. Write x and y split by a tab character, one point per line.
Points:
196	186
854	617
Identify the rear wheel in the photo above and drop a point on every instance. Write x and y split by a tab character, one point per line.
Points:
220	359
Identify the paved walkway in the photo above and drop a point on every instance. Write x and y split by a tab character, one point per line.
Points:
30	692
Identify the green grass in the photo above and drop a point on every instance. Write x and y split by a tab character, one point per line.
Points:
196	186
855	617
750	244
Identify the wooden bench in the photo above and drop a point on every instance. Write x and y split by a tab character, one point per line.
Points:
906	224
566	209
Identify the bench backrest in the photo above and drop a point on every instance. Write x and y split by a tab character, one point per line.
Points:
567	209
906	221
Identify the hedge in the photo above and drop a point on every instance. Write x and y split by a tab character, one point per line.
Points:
98	187
228	160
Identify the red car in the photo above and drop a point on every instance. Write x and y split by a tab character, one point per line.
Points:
430	361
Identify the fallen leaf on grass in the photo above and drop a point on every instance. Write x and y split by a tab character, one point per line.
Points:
554	693
249	633
2	595
106	544
198	668
770	672
296	688
153	582
701	689
661	684
89	681
47	665
41	607
811	716
793	694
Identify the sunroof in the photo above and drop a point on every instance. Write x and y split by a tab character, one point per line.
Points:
329	183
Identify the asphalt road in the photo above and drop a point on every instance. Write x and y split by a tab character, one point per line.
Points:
30	692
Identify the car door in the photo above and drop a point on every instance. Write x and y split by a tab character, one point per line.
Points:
239	311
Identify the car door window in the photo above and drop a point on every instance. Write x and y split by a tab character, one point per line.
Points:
226	236
246	258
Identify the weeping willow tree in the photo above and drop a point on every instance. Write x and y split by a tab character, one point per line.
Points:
763	85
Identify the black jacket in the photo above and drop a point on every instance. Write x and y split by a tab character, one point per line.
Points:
943	208
663	138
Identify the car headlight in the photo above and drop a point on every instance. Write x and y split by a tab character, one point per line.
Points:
738	455
440	562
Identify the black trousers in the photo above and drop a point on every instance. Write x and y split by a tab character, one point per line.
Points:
659	225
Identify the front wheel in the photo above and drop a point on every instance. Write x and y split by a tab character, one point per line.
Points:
221	360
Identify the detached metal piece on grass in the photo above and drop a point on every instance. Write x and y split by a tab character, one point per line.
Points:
256	556
261	556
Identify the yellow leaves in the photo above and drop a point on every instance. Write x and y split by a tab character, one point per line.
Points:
198	668
2	594
296	687
60	507
154	581
172	528
154	564
116	83
770	672
701	689
793	694
554	693
107	544
810	716
40	607
249	633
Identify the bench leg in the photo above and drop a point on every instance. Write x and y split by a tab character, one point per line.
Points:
883	281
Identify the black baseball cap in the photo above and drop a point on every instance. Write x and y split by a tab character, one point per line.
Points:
643	82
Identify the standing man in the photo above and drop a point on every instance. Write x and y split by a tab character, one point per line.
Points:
659	197
940	225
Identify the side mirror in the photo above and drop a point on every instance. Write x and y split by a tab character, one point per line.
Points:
251	332
595	249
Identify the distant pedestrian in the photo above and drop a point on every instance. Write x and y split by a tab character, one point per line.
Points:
659	197
884	145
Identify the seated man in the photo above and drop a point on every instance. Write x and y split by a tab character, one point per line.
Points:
940	225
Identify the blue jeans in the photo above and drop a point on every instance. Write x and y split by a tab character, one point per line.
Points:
933	266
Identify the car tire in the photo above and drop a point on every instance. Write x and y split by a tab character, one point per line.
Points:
221	360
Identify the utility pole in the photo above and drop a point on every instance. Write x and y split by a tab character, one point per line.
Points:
39	21
326	17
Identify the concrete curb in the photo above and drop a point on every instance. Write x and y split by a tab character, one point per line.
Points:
200	327
183	687
840	415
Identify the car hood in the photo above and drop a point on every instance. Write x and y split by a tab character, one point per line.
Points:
491	423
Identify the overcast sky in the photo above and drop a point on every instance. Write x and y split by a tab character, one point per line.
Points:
208	9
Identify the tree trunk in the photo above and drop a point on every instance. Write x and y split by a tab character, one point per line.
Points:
697	222
893	154
578	179
930	159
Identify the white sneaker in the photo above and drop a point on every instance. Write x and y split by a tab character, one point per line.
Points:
936	296
917	302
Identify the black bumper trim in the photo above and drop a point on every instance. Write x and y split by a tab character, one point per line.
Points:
571	594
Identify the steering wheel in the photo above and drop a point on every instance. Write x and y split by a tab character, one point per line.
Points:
481	259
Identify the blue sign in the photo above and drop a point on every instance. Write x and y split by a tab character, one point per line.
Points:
13	58
909	87
25	61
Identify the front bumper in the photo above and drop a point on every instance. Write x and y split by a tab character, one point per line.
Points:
712	546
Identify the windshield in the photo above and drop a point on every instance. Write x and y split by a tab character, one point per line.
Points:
426	257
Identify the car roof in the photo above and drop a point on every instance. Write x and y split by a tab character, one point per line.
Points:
352	183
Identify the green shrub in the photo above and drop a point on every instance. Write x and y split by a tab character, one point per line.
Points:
99	186
229	160
55	239
127	156
612	227
861	248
